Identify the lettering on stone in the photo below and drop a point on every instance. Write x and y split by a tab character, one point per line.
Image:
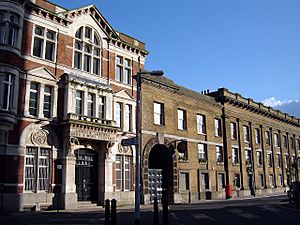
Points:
91	134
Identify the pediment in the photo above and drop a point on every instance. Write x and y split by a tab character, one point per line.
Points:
124	95
43	73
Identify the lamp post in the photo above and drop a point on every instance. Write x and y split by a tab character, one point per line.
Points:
137	77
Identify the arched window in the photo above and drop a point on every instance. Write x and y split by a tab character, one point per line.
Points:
87	50
9	28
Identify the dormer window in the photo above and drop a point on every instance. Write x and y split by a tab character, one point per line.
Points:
87	50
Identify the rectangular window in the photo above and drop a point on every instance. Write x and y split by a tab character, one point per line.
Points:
201	127
77	60
269	159
96	66
271	180
158	113
38	47
259	158
261	180
204	181
127	71
257	136
248	157
233	131
246	134
218	130
267	137
87	63
292	142
101	107
7	87
90	104
219	154
37	162
119	68
236	180
47	101
284	140
128	118
235	155
280	180
202	152
278	160
127	173
184	181
118	171
79	107
181	119
276	141
221	181
44	43
33	99
118	114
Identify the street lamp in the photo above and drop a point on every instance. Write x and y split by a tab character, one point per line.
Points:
137	77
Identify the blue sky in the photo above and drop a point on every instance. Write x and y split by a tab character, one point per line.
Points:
248	46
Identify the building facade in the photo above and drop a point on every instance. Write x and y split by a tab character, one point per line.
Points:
202	144
67	101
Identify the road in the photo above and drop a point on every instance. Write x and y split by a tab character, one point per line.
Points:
257	211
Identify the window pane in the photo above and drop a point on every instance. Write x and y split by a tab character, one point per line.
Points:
50	51
33	99
79	95
77	60
118	114
79	33
96	66
101	107
87	63
47	101
37	47
127	125
90	105
30	172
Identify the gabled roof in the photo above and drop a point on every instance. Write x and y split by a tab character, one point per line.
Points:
43	73
124	95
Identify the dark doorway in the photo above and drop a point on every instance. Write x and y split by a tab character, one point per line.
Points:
160	157
86	175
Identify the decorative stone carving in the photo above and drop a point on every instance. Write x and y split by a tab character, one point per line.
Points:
39	137
73	142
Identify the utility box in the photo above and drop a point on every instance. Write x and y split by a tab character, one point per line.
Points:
155	184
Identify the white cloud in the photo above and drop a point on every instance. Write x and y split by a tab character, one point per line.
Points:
291	107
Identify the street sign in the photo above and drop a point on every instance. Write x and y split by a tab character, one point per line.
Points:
128	141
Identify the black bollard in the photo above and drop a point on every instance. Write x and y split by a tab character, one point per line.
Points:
107	212
155	214
113	212
165	211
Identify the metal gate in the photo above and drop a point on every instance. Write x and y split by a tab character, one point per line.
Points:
86	174
155	184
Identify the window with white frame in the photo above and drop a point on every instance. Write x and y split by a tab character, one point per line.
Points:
118	114
271	180
79	103
101	107
233	131
218	129
221	181
7	90
48	92
202	152
257	136
87	50
235	155
9	28
128	118
269	159
248	157
259	158
90	105
123	70
33	99
278	160
181	118
204	181
236	180
261	180
184	184
37	169
267	137
219	154
201	127
158	113
44	44
246	133
276	140
123	171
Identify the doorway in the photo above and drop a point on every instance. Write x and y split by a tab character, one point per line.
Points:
86	175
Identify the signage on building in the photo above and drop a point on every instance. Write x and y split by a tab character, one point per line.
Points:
128	141
95	134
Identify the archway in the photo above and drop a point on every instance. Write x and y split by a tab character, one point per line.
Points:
86	174
160	159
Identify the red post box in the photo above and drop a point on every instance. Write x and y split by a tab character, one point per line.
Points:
228	191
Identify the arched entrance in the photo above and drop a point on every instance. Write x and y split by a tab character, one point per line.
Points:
86	174
161	163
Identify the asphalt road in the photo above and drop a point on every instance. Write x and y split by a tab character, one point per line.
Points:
262	211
